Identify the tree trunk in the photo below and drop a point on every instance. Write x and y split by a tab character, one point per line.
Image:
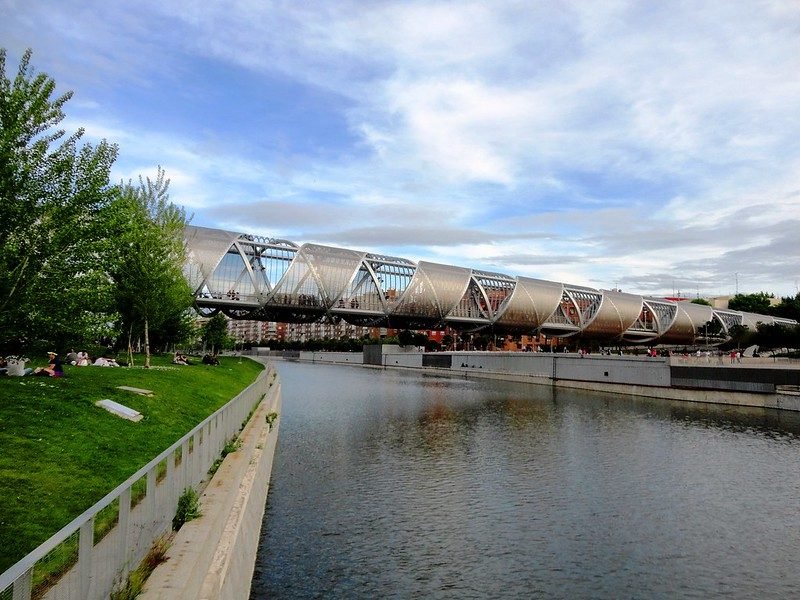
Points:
146	343
130	346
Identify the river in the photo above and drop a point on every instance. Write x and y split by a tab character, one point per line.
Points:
394	484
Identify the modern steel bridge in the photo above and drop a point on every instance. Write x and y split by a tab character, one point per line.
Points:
253	277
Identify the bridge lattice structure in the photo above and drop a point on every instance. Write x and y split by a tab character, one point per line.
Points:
253	277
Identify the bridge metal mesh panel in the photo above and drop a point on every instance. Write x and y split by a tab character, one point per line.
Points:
751	320
449	284
249	276
419	299
531	303
204	249
333	269
616	313
472	306
394	277
496	288
275	261
362	294
231	279
298	286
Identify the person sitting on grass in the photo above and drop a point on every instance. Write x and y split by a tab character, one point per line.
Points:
105	361
53	368
180	359
210	360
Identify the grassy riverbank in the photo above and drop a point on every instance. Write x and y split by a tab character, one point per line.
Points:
61	453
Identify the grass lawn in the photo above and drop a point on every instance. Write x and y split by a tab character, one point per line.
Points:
59	453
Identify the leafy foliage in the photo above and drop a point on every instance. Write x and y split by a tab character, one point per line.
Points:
215	333
150	289
754	303
271	418
76	253
134	582
741	336
770	337
405	337
55	193
788	308
187	510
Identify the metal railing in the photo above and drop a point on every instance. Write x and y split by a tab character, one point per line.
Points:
96	551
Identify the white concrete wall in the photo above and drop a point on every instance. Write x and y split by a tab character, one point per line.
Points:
214	556
652	372
403	359
355	358
607	369
536	364
634	376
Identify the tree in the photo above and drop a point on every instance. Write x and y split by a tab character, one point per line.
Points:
741	336
420	340
481	342
432	346
771	336
701	301
405	338
788	308
711	328
176	330
215	333
753	303
149	284
55	195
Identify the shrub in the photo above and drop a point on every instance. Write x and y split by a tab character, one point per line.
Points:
271	417
188	508
135	581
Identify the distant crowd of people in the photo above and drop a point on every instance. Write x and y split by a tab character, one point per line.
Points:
55	365
181	359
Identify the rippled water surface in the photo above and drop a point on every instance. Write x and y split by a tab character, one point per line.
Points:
389	484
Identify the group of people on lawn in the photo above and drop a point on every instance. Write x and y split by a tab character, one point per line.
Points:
181	359
55	366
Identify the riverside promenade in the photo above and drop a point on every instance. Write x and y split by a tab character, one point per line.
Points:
758	382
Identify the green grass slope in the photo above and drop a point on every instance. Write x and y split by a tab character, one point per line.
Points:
59	453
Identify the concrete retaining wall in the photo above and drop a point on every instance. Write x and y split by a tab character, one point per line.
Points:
653	372
404	359
214	556
521	363
355	358
637	376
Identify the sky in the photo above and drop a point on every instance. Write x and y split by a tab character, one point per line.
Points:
652	147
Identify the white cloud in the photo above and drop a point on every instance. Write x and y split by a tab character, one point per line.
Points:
601	141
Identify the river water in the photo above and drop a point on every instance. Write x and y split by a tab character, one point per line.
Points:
392	484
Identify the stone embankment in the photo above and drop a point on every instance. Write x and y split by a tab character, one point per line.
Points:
756	382
214	556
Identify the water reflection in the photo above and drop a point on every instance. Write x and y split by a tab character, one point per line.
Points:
394	484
